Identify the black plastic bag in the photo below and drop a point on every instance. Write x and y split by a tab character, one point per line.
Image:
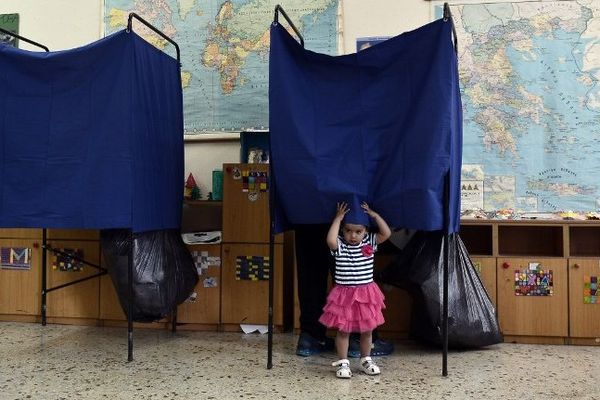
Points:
472	320
164	273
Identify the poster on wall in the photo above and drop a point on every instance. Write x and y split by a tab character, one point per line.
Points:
225	52
530	102
471	195
366	42
9	22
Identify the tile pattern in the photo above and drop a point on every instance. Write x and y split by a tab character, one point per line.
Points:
78	362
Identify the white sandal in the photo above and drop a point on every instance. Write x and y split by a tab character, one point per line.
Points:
368	366
343	371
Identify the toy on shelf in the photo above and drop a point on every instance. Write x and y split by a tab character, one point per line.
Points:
190	188
196	195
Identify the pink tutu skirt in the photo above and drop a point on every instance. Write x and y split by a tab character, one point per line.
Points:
354	308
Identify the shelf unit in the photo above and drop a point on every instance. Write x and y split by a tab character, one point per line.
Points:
246	234
569	249
203	313
20	290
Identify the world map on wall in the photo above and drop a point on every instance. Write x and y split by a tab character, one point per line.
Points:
225	51
529	77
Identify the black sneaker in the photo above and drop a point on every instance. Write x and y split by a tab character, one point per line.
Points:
308	345
379	347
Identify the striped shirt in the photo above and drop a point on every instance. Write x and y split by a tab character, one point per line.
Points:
354	263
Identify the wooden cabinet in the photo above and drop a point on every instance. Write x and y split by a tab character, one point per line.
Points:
539	315
584	302
23	233
20	289
80	300
244	299
245	251
73	234
110	307
584	274
246	204
204	307
202	310
569	249
486	268
398	303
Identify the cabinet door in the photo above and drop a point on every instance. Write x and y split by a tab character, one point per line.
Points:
532	315
20	289
245	301
110	307
204	309
398	303
486	268
81	299
584	310
245	210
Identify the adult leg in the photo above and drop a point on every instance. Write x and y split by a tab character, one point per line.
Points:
313	264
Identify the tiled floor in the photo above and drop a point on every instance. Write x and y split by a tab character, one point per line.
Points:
73	362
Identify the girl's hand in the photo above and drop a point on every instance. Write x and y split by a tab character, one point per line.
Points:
368	210
342	209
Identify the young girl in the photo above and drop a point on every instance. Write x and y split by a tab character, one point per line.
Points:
355	302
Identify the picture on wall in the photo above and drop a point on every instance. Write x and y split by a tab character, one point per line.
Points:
530	102
225	52
366	42
9	22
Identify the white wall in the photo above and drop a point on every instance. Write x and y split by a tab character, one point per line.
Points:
65	24
57	24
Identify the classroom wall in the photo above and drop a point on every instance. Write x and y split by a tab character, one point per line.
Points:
65	24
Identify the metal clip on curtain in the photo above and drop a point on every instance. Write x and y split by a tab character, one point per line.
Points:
447	13
448	17
24	39
279	9
158	32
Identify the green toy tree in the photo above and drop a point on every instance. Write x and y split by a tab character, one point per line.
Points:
196	195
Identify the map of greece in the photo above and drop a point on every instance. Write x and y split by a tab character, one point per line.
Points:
529	76
225	51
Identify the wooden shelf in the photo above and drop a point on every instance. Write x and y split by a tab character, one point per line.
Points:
522	240
478	239
584	241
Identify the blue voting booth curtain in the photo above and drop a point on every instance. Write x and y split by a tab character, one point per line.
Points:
383	125
91	137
